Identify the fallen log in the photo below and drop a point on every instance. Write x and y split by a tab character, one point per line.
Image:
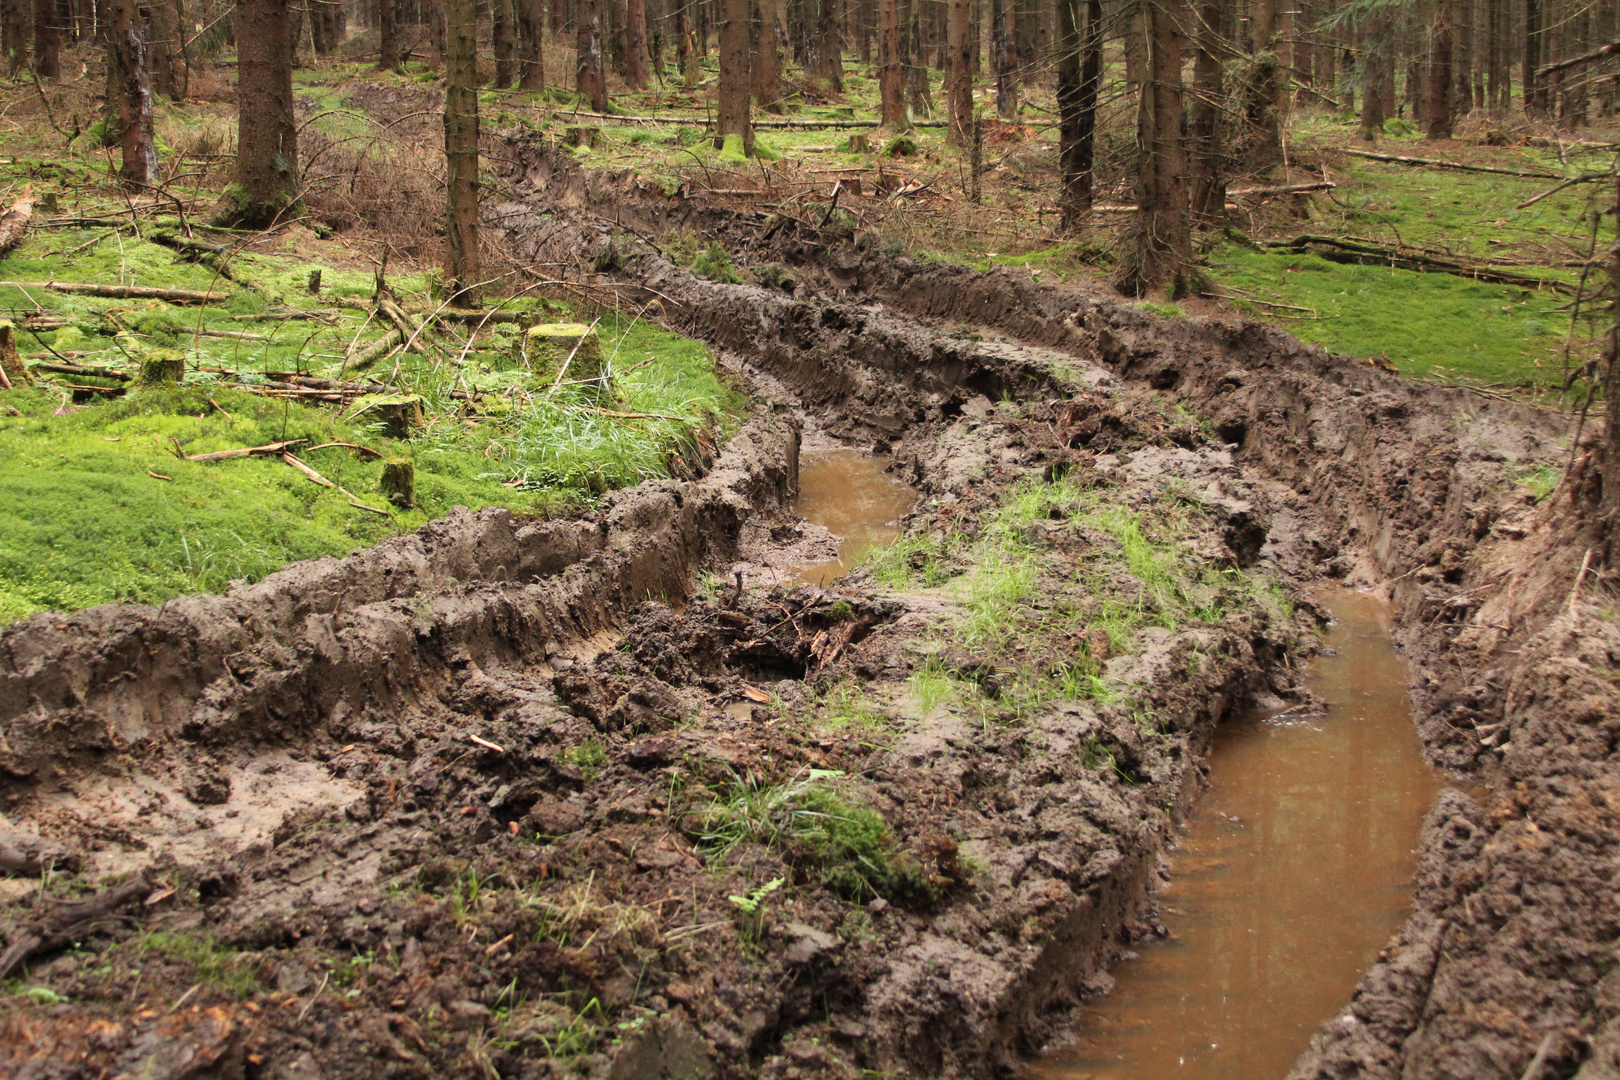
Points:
84	369
1284	189
268	450
377	349
1339	249
1436	163
68	923
123	292
14	223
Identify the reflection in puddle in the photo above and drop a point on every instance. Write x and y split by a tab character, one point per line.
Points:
1294	871
851	495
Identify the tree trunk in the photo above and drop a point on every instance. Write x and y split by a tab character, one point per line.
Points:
1374	59
14	27
1263	94
1437	110
501	27
265	184
47	41
959	95
764	69
531	17
1079	74
890	80
163	49
1003	59
127	58
461	150
1205	154
919	101
635	59
1160	248
831	46
590	76
736	80
388	49
1534	95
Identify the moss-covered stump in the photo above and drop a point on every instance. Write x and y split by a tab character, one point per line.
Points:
160	367
11	365
398	483
399	414
545	348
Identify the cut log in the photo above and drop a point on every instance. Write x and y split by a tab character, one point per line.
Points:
398	482
14	223
546	348
123	292
13	372
377	350
84	369
1435	163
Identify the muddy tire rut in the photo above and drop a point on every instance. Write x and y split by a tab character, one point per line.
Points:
457	805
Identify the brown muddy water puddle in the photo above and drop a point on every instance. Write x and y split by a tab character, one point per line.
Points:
1293	872
849	494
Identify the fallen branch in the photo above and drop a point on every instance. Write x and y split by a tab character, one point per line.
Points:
1599	53
378	349
347	446
84	369
267	450
122	292
1435	163
14	223
316	478
1285	189
1357	251
67	923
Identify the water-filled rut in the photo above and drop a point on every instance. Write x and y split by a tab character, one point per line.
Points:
1295	869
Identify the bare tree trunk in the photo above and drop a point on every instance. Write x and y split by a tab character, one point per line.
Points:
531	16
1535	102
635	44
127	58
1160	251
736	79
890	80
767	93
1262	95
1437	109
501	27
959	95
1374	60
590	76
831	46
1205	153
918	99
1079	74
14	27
388	49
47	41
265	185
164	49
461	150
1003	59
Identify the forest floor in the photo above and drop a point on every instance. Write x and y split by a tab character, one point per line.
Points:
557	785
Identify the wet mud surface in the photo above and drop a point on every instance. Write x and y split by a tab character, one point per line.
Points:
509	798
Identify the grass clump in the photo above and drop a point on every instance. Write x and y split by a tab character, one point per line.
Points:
210	962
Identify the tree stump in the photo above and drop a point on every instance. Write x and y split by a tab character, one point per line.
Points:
164	367
858	144
546	347
398	482
399	416
582	136
11	365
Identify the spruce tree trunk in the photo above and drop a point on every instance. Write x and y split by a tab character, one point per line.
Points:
959	95
1374	59
830	45
1437	108
163	50
736	78
1204	151
1004	59
531	16
47	41
1262	96
590	75
127	60
1160	247
891	87
501	32
461	149
1079	74
265	183
767	91
635	60
1534	95
14	27
388	27
919	101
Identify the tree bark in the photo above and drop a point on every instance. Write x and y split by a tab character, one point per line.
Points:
461	150
1160	251
635	61
1374	59
531	17
959	96
14	26
919	100
1535	96
767	91
501	28
1263	94
388	28
590	76
1437	112
163	49
1003	58
736	78
265	184
127	60
890	81
1205	152
1079	74
830	46
47	41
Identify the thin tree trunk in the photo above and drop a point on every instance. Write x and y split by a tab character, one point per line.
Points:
1205	154
830	45
14	26
1263	93
919	102
531	16
590	75
764	66
1437	110
1161	245
461	150
1002	58
388	49
959	96
266	179
1534	95
635	43
891	83
1079	74
127	57
1374	60
47	41
502	22
736	79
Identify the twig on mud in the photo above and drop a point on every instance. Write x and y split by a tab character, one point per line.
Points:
1575	593
311	1002
185	997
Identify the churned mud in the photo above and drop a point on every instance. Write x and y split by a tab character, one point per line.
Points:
615	796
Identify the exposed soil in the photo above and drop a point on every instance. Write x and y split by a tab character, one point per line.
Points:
450	806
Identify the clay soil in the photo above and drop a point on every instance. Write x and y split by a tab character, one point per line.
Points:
512	798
